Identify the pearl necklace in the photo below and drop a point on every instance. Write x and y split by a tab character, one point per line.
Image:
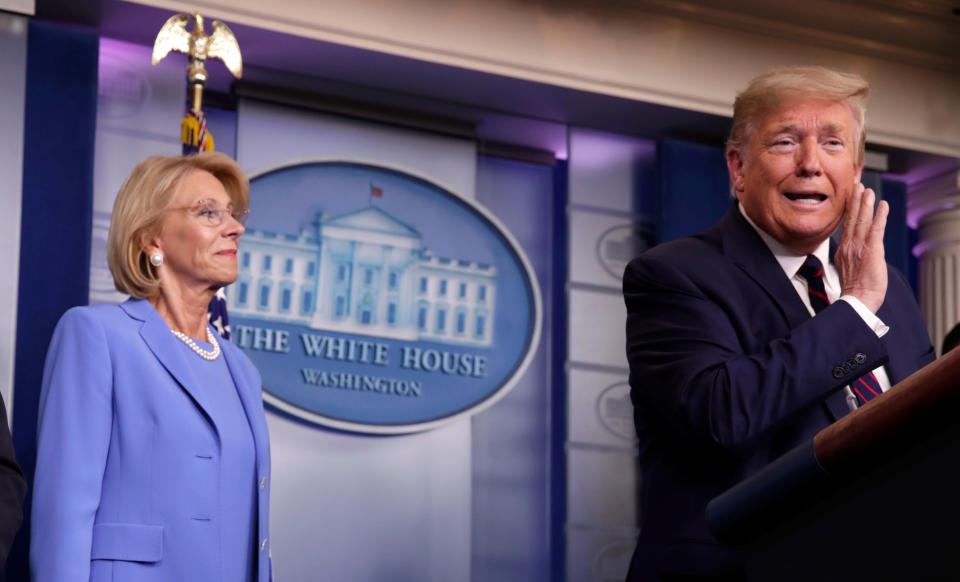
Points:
211	355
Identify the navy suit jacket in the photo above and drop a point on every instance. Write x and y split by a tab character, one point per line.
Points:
128	453
728	371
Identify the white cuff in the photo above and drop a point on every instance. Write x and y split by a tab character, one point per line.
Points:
868	317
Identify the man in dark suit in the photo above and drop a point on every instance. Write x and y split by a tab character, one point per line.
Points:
13	488
740	345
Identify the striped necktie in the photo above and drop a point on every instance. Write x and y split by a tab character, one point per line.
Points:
866	387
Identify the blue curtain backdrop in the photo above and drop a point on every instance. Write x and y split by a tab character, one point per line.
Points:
899	238
557	459
60	118
694	188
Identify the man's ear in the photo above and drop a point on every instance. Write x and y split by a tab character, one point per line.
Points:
735	168
858	175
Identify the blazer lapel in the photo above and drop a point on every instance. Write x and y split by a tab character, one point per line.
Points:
167	349
744	247
251	400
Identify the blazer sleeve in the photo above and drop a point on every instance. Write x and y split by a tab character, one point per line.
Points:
72	442
710	368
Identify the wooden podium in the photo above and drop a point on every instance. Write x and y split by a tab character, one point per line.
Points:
874	496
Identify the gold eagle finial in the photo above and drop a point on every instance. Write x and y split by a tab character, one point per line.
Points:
199	46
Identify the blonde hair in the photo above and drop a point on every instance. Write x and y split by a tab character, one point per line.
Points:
141	208
771	89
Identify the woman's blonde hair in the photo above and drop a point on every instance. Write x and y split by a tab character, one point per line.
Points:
141	208
770	90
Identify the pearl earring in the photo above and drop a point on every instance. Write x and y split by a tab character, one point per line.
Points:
156	259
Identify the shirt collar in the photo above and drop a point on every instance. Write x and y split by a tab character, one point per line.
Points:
789	261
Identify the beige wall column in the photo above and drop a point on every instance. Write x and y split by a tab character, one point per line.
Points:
934	209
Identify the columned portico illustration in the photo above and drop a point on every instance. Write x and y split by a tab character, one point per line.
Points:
365	272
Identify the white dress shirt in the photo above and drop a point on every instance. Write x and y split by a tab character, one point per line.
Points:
791	263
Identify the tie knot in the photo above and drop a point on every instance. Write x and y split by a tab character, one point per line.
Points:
811	269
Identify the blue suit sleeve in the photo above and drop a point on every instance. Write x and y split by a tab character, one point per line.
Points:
72	443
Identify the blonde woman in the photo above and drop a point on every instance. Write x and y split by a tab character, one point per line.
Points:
153	459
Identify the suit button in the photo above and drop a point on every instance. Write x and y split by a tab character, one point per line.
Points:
860	357
263	544
838	372
263	483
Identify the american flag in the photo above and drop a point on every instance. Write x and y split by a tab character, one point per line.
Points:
217	314
195	138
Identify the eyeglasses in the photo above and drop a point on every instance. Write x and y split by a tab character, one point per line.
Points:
213	214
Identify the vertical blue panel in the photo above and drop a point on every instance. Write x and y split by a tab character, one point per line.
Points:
222	124
511	440
873	179
896	239
57	204
694	188
558	404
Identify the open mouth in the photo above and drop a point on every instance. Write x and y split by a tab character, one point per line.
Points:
805	198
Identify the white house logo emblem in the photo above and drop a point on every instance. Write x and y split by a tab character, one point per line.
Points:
616	411
618	245
612	561
376	301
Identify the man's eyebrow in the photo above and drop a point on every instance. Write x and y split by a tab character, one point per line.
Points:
786	128
825	128
831	128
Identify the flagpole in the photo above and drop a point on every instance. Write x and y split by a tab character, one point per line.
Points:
194	137
375	192
198	46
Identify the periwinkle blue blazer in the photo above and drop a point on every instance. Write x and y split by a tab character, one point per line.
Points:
128	459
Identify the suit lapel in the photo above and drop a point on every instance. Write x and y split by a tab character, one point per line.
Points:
744	247
169	351
251	400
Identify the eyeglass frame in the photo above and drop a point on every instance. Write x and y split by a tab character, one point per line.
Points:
242	216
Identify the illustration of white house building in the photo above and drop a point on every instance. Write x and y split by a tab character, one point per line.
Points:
364	272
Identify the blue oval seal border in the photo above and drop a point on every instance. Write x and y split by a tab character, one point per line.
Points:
375	300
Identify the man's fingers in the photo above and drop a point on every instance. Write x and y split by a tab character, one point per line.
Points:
864	221
852	213
875	236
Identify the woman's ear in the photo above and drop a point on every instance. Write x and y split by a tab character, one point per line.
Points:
149	244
